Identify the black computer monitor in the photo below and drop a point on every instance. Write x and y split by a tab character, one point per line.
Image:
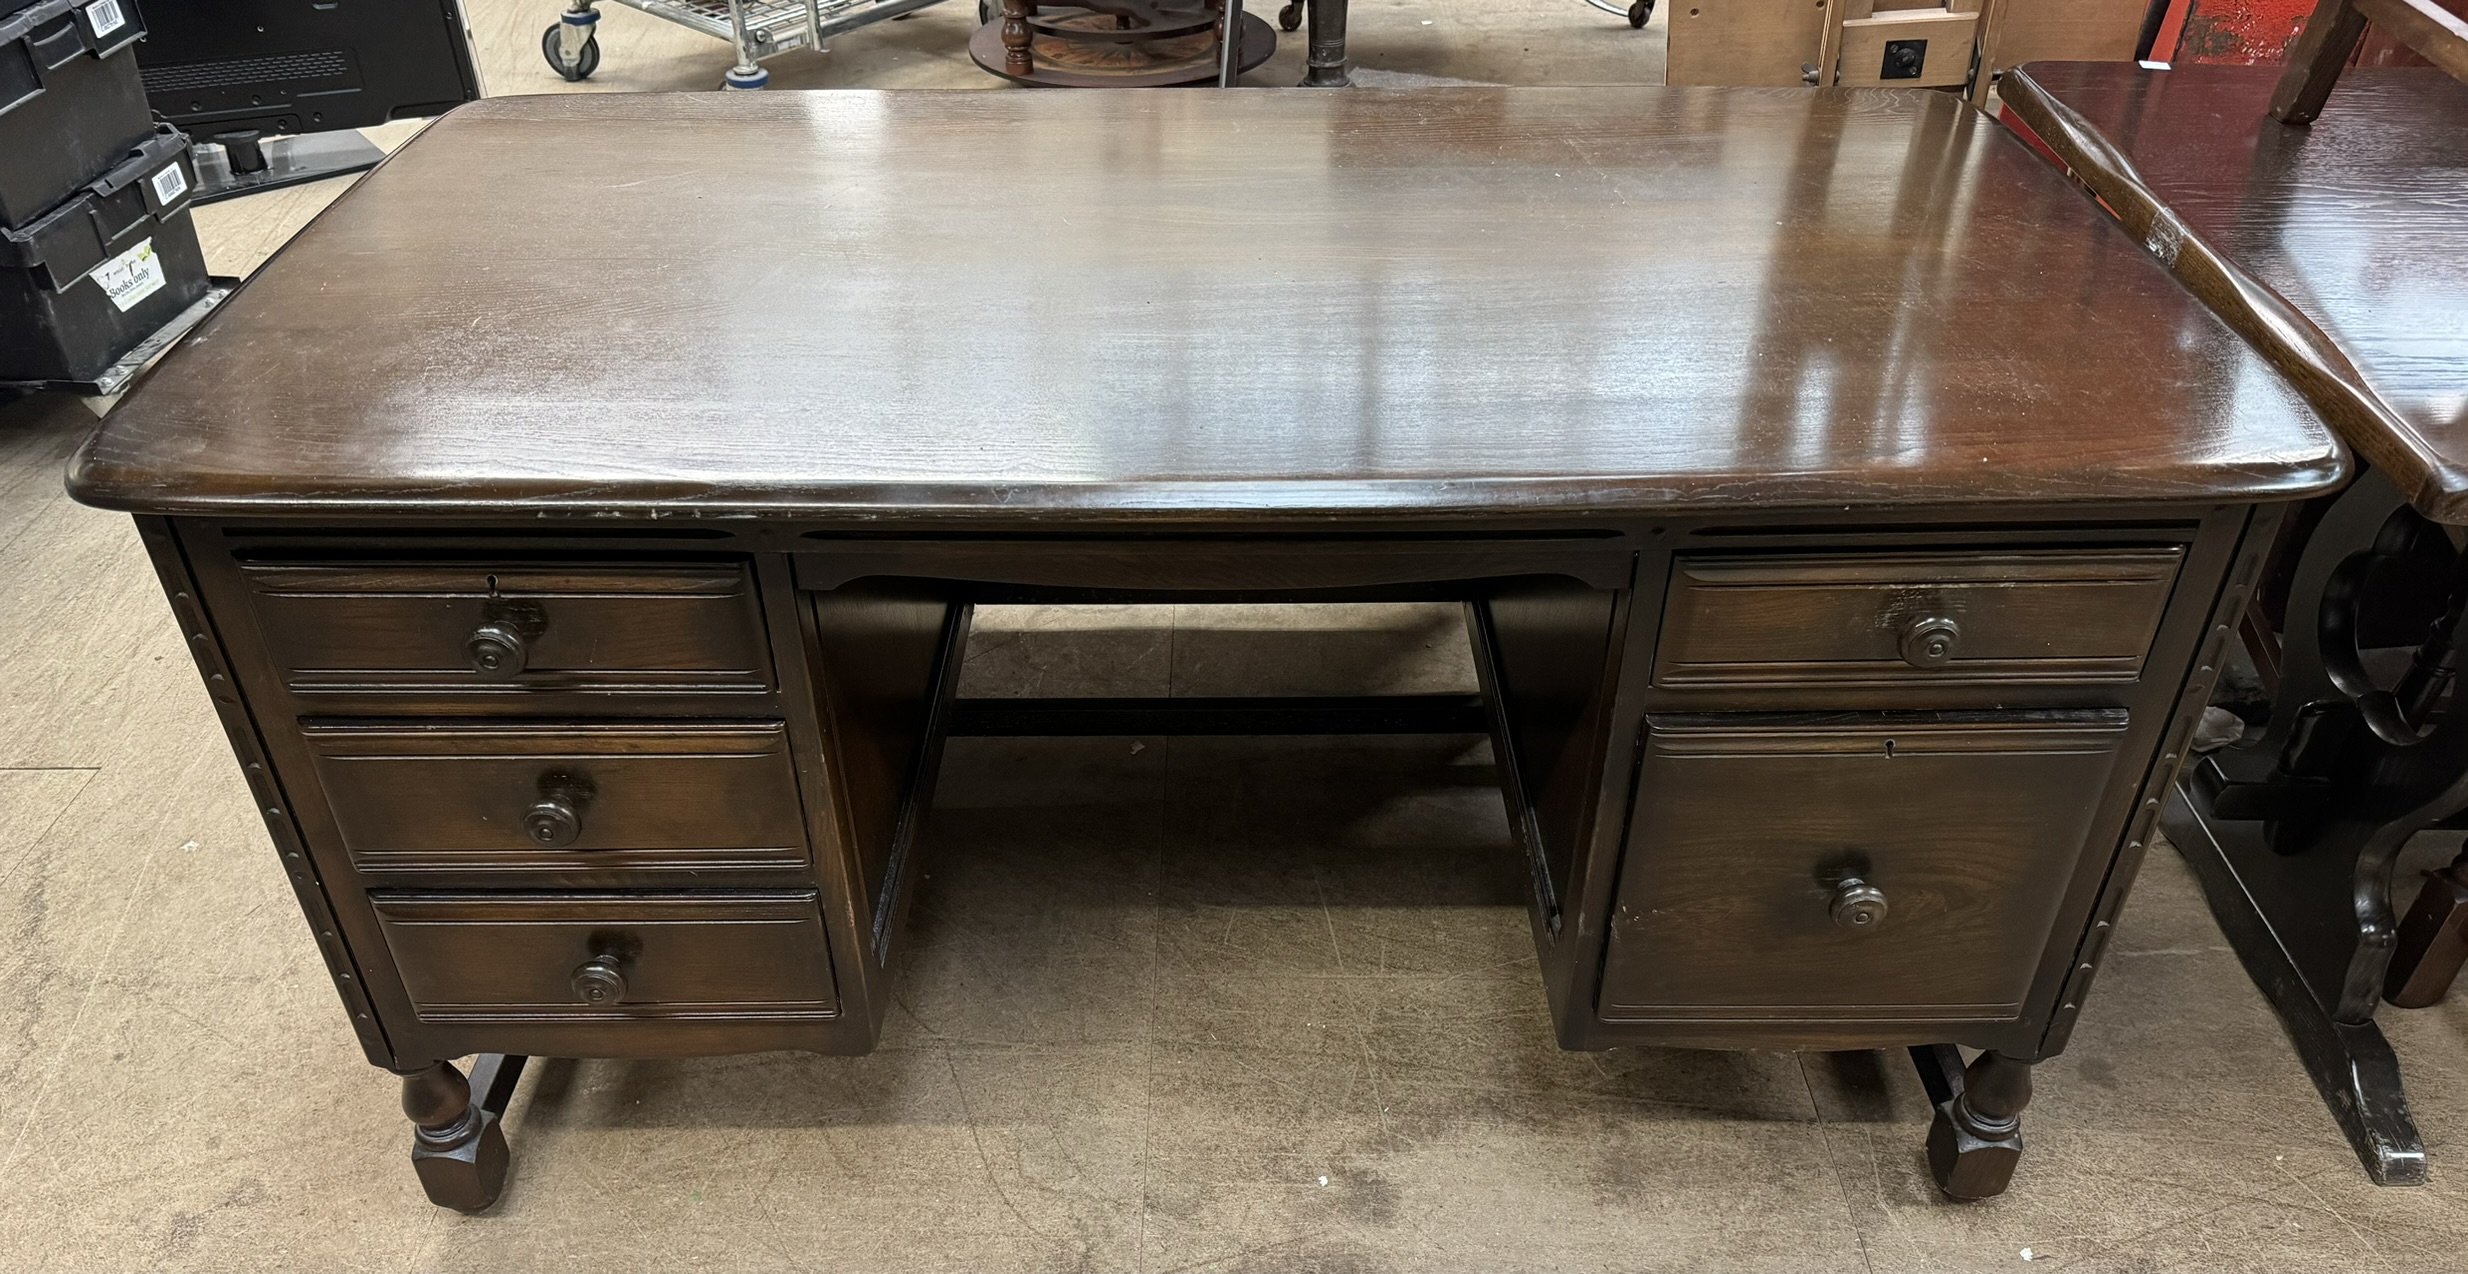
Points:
303	66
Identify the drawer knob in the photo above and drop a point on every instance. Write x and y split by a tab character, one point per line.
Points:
1858	904
553	822
1929	643
496	650
599	981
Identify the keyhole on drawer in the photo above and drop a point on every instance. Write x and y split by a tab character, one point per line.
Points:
501	646
615	942
1889	748
1848	864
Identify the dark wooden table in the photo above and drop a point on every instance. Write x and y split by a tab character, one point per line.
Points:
1847	575
2341	251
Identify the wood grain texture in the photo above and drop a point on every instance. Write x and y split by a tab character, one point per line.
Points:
404	628
2435	33
1547	652
1745	42
1947	39
448	796
1969	823
886	657
2340	250
1446	301
2020	31
1750	620
514	957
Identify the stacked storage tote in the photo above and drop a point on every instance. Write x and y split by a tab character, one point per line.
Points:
96	246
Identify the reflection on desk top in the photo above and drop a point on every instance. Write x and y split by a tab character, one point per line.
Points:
2358	222
1126	304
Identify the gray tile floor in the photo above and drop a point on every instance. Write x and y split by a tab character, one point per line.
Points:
1173	1003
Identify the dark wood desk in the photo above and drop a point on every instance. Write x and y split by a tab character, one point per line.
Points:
1847	576
2341	252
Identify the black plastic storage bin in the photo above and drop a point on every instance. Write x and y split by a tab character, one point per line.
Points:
84	283
71	98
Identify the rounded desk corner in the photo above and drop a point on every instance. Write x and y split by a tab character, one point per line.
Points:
2328	473
103	482
100	484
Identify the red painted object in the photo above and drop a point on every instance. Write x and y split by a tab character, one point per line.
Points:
2251	32
2240	32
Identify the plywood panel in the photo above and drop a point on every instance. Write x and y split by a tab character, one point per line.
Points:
2064	30
1944	41
1746	42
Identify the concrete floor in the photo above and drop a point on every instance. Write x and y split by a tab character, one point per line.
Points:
1171	1005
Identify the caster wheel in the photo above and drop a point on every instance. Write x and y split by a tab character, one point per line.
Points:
988	11
554	50
1290	18
1640	12
744	79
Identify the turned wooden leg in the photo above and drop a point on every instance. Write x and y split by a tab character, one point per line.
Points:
1976	1138
2433	940
457	1147
1016	57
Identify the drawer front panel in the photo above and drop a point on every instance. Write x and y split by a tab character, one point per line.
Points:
555	958
562	797
1899	619
510	629
1859	867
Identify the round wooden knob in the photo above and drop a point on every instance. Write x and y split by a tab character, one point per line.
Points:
599	981
1929	643
553	822
1858	904
496	650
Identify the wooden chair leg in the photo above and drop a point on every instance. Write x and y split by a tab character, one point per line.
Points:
2315	61
2433	940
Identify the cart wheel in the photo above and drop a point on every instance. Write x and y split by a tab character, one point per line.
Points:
584	63
741	79
1640	12
1290	18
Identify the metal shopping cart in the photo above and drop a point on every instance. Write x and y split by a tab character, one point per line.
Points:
759	29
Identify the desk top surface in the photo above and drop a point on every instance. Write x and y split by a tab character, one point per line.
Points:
2360	221
1205	305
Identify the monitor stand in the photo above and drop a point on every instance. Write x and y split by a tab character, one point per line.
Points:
233	164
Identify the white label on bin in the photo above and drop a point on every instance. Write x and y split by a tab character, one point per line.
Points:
131	276
105	17
170	184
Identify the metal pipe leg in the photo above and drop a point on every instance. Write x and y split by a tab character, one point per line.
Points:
748	73
1230	45
1327	39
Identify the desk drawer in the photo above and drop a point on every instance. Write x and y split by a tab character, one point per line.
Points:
1744	894
551	958
563	797
511	629
1908	619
